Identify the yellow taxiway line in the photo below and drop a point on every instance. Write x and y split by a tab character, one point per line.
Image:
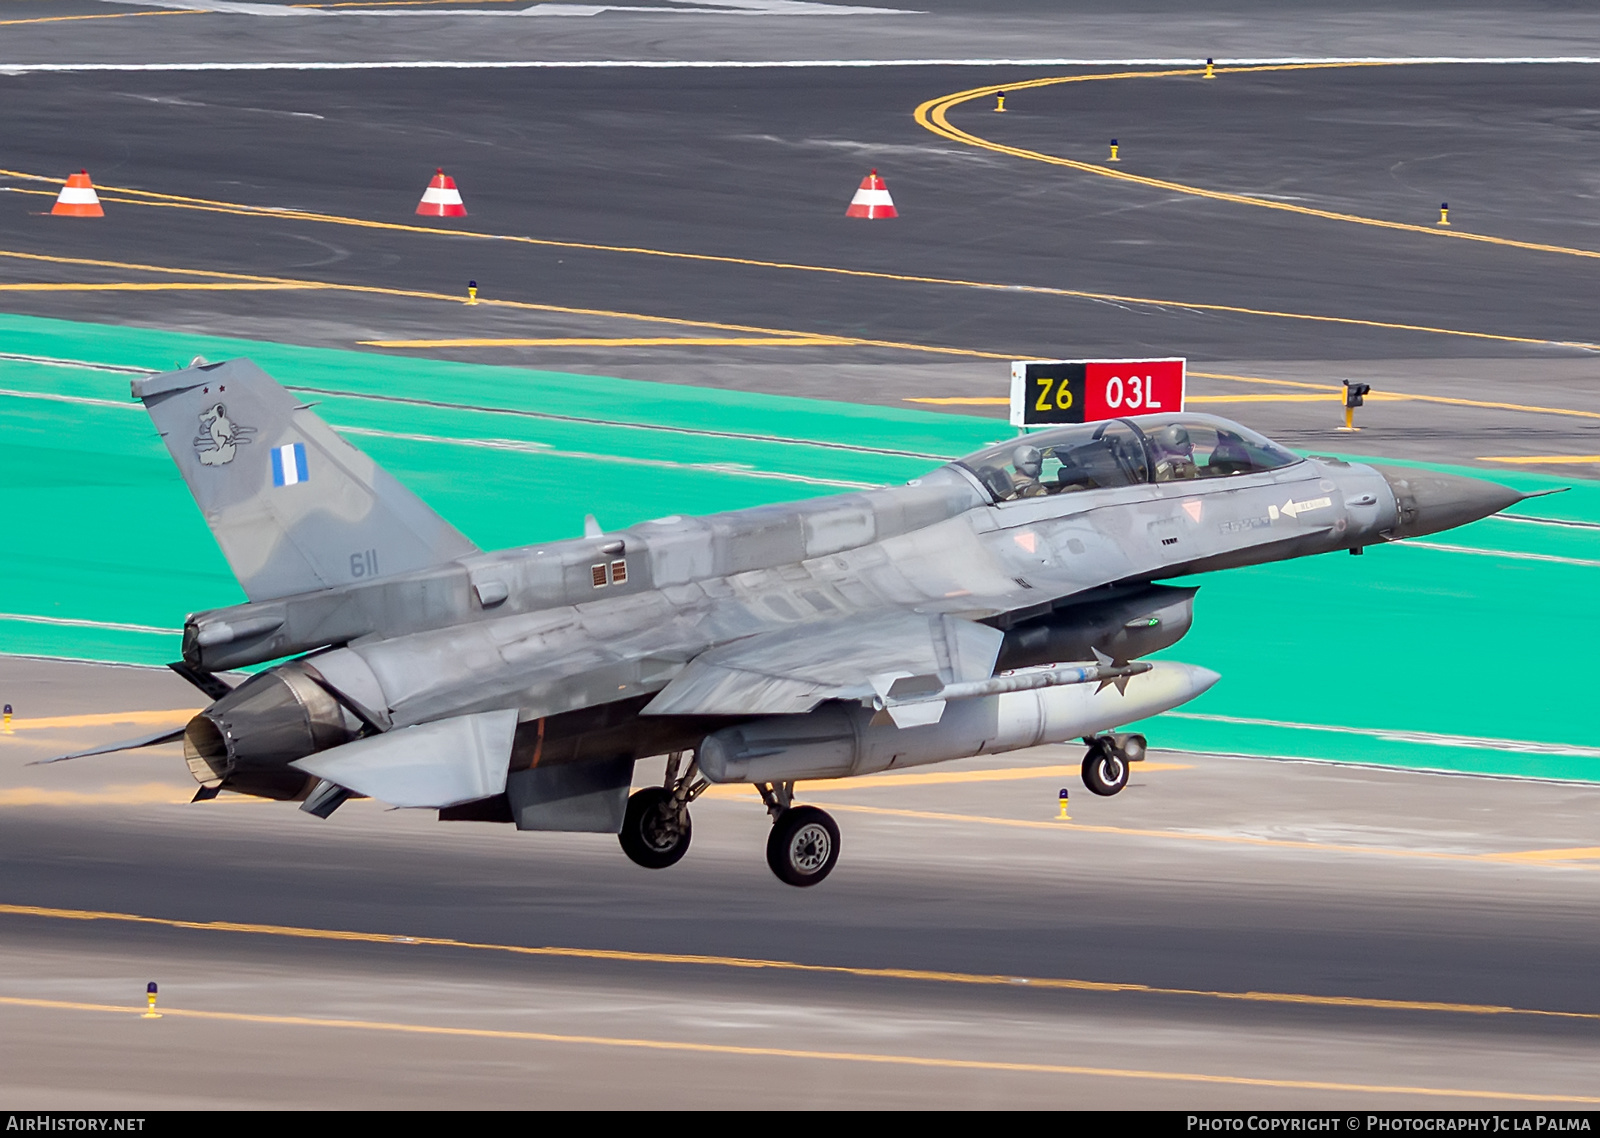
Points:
790	1053
153	286
96	16
619	342
175	716
1544	459
932	116
295	932
519	305
208	205
147	793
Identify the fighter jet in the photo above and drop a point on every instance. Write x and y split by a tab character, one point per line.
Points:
1000	601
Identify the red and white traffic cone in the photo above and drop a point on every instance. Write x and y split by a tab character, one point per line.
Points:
77	198
872	200
441	198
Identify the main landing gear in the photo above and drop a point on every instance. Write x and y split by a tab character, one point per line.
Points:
1105	766
802	848
655	828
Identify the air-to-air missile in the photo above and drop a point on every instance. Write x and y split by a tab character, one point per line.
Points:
1000	601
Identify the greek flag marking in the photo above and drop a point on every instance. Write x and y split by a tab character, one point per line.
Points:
289	464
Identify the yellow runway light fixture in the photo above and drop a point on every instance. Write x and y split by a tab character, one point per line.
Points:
1211	72
1000	102
150	1002
1062	798
1444	213
1113	157
472	292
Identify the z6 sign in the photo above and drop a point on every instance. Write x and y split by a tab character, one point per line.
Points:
1048	392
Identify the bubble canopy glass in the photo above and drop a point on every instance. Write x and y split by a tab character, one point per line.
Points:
1123	452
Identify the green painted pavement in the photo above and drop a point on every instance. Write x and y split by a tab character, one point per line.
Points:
1420	657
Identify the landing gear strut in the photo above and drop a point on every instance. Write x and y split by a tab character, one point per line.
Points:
804	844
1105	766
655	828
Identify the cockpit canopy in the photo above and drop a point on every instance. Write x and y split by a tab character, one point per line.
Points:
1123	452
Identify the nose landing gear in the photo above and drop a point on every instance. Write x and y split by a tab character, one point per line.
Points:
1105	766
804	844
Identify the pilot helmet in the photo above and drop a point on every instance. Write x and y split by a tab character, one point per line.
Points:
1027	460
1173	439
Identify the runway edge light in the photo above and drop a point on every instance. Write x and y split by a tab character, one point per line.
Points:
1444	213
441	198
872	200
1113	157
77	198
150	1002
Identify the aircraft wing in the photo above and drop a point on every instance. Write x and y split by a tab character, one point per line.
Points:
792	670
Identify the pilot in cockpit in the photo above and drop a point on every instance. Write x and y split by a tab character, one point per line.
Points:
1174	454
1027	461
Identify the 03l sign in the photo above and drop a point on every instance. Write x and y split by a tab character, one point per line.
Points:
1047	392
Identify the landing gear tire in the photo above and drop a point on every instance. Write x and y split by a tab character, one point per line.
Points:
1105	770
654	834
803	845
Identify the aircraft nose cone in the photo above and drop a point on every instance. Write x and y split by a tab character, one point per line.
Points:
1428	502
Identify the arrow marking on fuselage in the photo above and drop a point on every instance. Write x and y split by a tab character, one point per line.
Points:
1293	509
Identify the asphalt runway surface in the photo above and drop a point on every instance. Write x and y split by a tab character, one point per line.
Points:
1269	910
1231	934
707	206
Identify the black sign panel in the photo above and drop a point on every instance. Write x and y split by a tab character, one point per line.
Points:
1052	393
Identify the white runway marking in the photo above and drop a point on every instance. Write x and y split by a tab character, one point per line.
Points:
1442	547
69	622
681	8
513	64
735	469
1474	742
86	400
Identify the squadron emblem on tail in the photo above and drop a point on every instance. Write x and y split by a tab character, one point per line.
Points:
219	436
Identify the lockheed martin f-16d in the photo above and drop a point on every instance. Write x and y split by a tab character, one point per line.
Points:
1001	601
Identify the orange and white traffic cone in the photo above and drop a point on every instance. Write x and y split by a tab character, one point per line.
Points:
872	200
441	198
77	198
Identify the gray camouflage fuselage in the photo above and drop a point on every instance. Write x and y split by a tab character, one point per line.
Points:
590	640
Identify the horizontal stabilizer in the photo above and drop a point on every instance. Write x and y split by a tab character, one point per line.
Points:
432	764
171	736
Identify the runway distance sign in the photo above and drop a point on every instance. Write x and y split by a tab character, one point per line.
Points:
1049	392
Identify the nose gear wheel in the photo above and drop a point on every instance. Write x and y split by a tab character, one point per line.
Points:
803	846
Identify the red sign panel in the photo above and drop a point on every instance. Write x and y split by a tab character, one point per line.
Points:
1114	388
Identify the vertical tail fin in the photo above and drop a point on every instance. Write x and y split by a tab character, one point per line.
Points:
294	507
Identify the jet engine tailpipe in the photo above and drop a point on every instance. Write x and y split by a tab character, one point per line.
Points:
248	737
841	739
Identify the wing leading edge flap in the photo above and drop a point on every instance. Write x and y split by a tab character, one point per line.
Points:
792	670
436	764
